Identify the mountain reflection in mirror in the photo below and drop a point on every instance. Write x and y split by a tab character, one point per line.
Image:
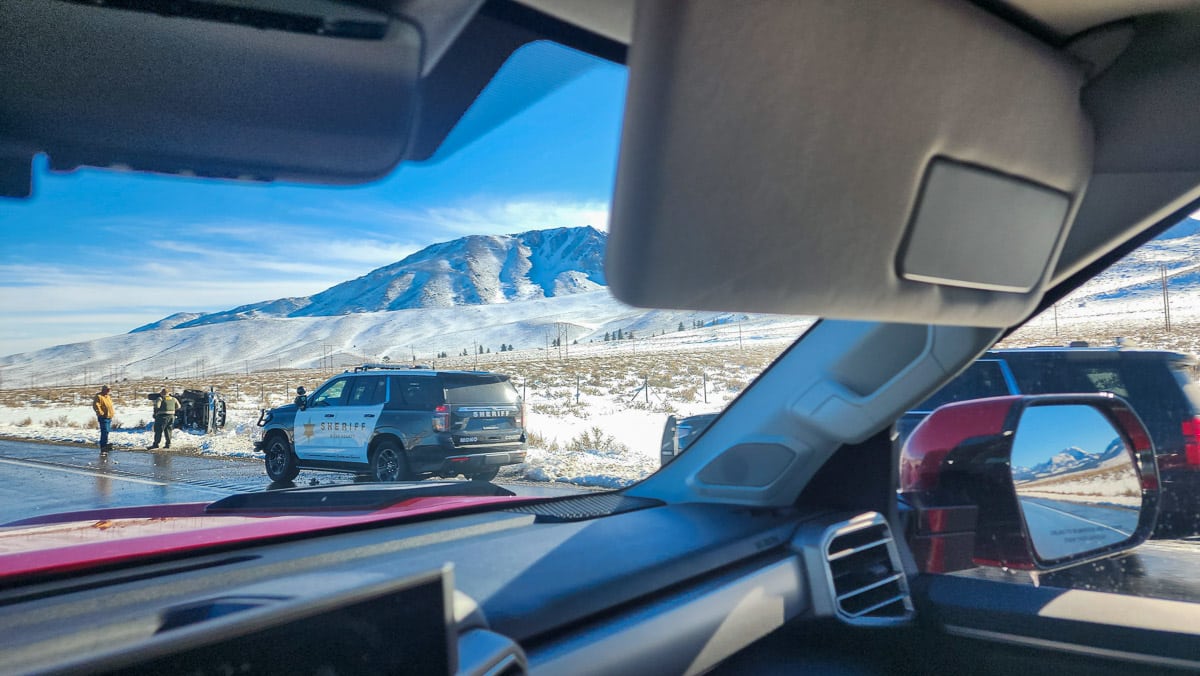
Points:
1075	480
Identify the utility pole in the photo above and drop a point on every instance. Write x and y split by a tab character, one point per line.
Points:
704	381
1056	320
739	334
1162	269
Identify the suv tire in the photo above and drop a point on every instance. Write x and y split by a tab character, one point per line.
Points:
388	462
280	461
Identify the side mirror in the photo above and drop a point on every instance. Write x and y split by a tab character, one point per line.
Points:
1028	482
669	446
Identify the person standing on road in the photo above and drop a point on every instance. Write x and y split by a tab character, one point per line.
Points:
165	408
103	407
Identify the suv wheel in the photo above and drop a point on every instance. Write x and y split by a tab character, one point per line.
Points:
281	462
485	475
388	462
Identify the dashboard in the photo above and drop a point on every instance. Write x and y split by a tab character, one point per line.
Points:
594	584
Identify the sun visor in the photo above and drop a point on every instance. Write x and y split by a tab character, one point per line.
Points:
254	89
912	161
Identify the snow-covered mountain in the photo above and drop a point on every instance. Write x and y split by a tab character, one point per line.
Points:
473	270
1132	289
1073	459
524	291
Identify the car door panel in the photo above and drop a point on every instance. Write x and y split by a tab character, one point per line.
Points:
314	428
353	423
1041	629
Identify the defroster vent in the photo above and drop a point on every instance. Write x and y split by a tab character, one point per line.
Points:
869	586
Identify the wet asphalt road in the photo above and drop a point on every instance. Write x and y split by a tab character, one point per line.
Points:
49	478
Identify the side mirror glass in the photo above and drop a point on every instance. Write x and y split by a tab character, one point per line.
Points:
1076	481
1028	482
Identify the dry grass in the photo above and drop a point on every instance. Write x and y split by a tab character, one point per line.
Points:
60	421
595	439
646	380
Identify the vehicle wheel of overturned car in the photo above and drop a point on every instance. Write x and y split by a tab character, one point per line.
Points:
281	462
388	462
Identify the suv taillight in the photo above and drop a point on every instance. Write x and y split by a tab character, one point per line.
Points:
441	418
1191	441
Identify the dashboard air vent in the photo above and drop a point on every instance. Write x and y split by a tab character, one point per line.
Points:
869	586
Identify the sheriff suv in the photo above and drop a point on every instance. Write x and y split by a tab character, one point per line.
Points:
1157	384
394	424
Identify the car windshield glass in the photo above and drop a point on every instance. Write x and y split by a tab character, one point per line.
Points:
468	290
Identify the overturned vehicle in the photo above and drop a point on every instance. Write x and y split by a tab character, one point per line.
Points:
198	410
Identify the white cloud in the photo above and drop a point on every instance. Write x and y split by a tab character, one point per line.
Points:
480	217
208	266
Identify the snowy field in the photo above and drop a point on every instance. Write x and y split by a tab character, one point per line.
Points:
1104	486
596	407
595	417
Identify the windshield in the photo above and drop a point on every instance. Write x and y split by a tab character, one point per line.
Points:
483	266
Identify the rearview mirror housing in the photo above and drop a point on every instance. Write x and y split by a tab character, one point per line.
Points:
1035	483
320	92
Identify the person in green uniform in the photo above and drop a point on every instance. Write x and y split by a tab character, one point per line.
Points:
165	407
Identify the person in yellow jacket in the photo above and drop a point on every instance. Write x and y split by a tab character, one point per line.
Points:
103	407
165	407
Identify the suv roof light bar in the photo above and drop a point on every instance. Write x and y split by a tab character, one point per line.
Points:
390	367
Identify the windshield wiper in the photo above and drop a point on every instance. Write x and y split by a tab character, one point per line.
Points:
352	497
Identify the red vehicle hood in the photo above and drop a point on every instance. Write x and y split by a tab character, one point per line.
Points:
81	540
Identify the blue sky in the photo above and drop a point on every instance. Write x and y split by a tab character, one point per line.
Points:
96	253
1045	431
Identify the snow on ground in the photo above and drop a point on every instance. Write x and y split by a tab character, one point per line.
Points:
1120	500
591	420
1117	485
631	455
76	424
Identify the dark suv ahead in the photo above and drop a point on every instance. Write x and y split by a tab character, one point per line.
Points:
395	424
1158	384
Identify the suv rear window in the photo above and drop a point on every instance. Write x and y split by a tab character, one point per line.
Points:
367	391
419	393
1183	376
1056	374
984	378
479	390
1146	381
